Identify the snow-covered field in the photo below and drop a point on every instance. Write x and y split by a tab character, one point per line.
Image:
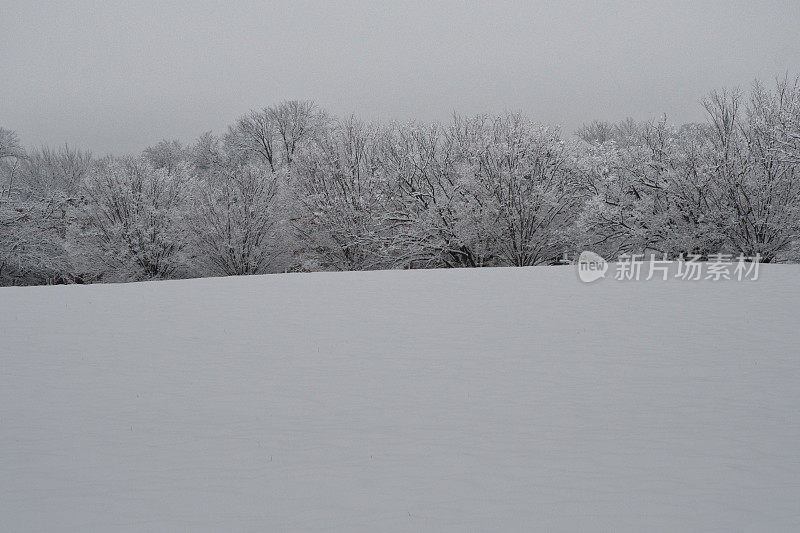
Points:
488	400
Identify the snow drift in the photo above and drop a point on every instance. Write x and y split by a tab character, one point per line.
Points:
486	399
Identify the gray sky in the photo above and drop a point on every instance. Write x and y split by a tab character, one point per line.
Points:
119	76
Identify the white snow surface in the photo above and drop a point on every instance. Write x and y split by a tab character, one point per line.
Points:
441	400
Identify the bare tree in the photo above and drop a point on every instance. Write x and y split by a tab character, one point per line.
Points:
256	133
295	121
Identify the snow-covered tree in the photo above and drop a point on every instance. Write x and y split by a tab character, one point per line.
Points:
340	194
34	211
756	186
131	225
166	154
787	119
11	156
32	246
520	183
48	173
9	144
648	190
289	188
433	225
235	221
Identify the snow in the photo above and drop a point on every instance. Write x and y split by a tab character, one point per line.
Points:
441	400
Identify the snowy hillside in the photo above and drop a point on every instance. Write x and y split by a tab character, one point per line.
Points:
442	400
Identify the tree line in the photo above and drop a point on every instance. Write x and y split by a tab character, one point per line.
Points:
290	188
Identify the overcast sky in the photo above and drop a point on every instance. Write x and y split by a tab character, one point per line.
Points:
119	76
